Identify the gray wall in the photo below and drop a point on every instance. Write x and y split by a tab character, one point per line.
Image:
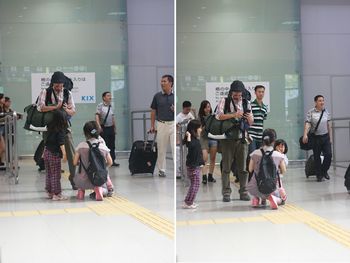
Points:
151	50
325	35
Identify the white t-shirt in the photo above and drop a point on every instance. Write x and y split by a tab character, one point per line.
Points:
181	117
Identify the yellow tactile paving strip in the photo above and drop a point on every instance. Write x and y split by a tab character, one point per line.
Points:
287	214
144	215
116	205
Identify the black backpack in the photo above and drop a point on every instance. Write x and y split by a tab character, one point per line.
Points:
267	176
97	168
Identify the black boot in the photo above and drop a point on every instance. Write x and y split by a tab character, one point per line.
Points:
211	178
204	179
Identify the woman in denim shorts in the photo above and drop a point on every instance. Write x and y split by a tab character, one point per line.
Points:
209	146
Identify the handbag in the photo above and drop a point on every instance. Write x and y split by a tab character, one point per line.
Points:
37	120
229	128
311	137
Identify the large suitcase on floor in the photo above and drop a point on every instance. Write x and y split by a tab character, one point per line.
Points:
310	169
347	179
143	156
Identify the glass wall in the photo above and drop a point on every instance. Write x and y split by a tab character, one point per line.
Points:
251	40
43	36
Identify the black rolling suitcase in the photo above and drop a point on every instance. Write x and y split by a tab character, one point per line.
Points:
143	156
347	179
310	169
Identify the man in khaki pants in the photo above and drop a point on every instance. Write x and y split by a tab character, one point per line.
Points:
233	107
163	111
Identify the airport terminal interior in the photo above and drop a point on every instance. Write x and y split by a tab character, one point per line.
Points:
296	49
313	225
133	225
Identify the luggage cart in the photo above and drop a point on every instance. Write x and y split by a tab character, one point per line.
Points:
181	169
11	154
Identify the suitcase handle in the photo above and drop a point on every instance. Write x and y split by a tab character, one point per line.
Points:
153	142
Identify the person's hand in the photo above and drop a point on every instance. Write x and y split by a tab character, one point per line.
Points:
188	136
239	114
248	116
305	139
59	105
152	130
172	107
278	149
64	157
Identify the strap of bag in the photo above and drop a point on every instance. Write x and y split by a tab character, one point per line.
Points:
319	120
104	121
81	165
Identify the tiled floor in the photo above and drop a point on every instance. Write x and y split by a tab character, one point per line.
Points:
136	225
314	225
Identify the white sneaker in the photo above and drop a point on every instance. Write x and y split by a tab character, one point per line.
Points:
186	206
59	197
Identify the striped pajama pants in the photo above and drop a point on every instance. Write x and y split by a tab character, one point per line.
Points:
53	172
194	175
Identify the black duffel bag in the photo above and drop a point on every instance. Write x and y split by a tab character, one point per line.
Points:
229	127
36	118
310	143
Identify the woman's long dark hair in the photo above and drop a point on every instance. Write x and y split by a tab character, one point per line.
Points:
58	122
201	113
192	128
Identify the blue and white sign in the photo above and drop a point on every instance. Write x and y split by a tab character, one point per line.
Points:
84	87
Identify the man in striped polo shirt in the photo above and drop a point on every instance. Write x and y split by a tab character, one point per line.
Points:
259	110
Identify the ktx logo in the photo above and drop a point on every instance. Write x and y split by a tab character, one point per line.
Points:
87	98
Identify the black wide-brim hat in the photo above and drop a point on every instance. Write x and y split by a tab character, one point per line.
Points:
58	77
237	86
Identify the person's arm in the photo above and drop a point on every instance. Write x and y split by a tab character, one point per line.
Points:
153	113
41	103
114	124
109	160
250	118
330	132
153	120
70	106
307	127
63	150
76	158
251	166
282	167
220	115
194	111
249	115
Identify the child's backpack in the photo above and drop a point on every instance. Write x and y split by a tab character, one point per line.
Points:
97	168
267	176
